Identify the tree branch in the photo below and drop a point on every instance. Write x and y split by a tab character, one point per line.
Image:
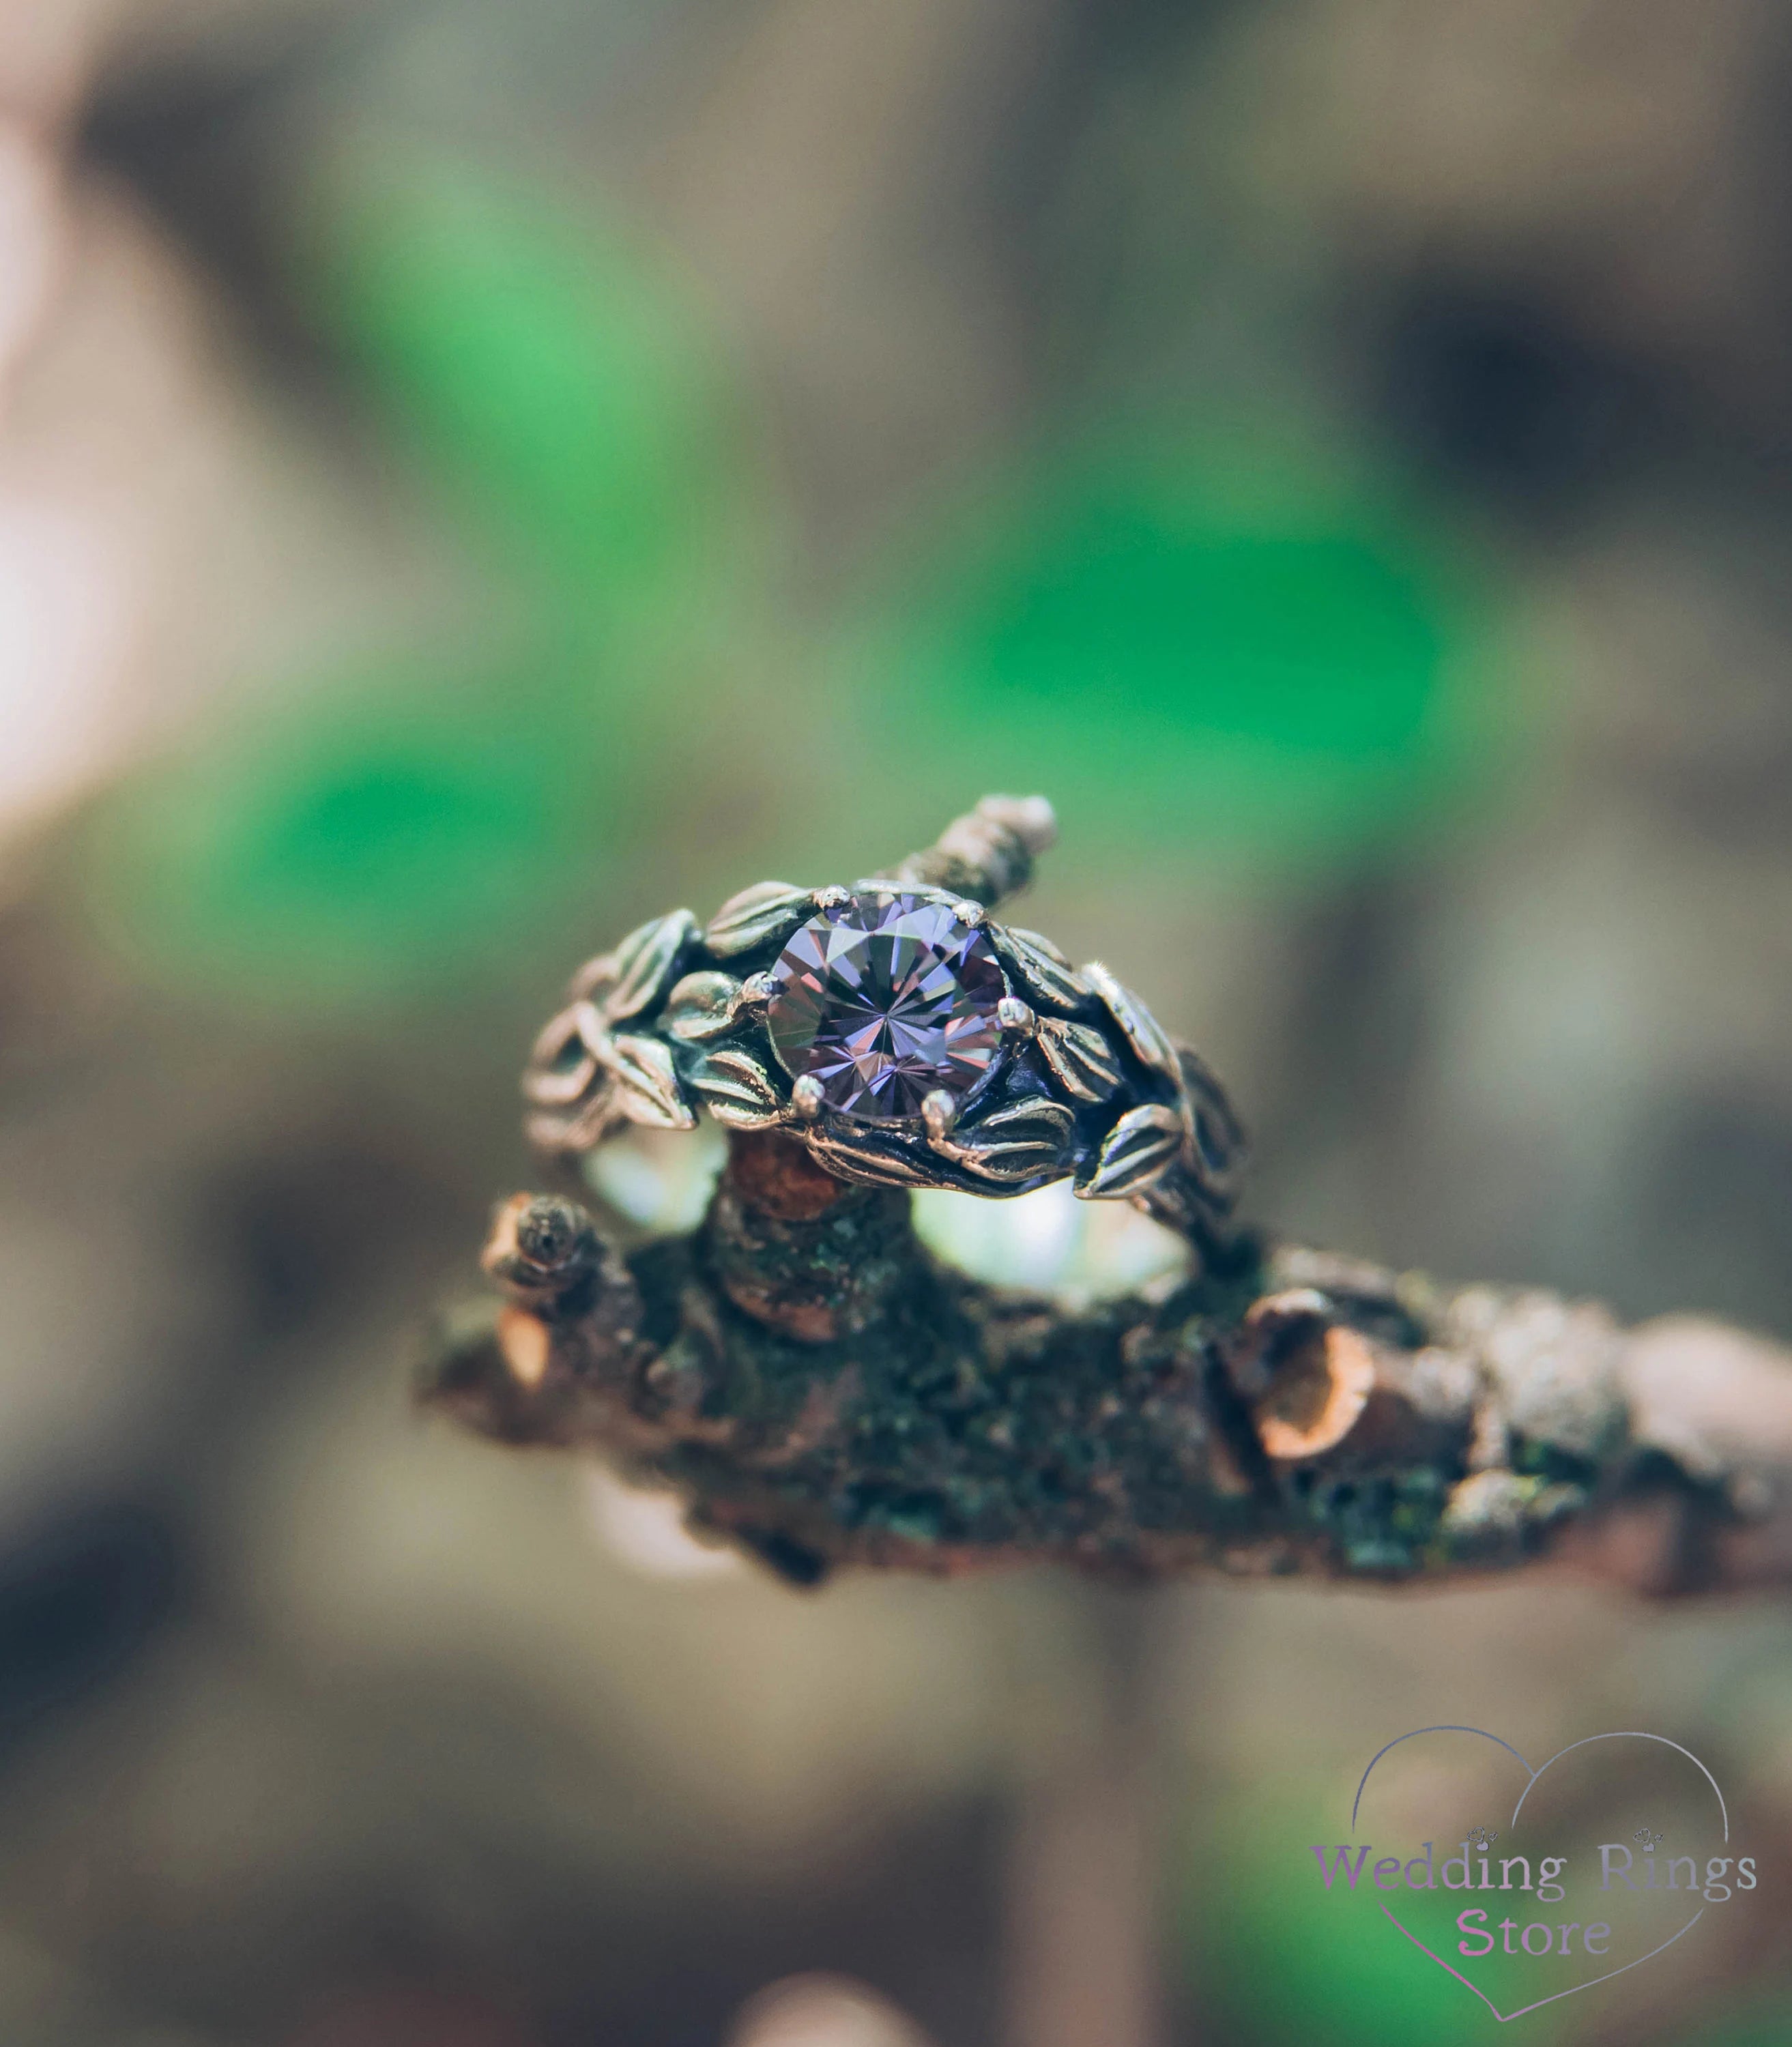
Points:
825	1392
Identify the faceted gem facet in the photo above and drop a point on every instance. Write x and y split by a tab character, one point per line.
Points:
883	998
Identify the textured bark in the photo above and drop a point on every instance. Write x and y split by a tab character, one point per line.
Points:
823	1391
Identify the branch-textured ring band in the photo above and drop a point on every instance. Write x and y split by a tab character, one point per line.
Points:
901	1033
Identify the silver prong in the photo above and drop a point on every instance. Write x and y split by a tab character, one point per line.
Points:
939	1111
967	912
1014	1014
806	1098
755	991
831	897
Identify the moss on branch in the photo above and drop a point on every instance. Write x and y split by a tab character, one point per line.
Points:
823	1391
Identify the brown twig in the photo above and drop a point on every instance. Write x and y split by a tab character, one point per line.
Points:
825	1392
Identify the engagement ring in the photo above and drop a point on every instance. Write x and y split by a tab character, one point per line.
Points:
900	1033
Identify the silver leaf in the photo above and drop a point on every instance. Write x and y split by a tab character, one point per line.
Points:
650	1091
1082	1059
1041	970
737	1091
867	1160
1040	943
767	910
702	1005
1142	1145
561	1066
1171	1200
1144	1033
1218	1147
593	979
580	1126
644	961
1017	1143
588	1019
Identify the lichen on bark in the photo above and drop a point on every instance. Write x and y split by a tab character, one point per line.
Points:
823	1391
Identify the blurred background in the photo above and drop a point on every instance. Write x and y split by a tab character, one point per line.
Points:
472	477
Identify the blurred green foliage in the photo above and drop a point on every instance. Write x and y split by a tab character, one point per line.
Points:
554	374
379	830
1274	1957
1226	643
1216	645
374	839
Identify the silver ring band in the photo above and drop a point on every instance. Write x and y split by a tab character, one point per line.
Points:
903	1035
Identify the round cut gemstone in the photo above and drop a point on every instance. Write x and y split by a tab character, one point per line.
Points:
883	998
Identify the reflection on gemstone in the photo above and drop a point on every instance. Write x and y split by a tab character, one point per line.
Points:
883	998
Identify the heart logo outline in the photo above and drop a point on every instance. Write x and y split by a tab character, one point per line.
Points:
1616	1734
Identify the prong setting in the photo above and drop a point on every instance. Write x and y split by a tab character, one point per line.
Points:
904	1036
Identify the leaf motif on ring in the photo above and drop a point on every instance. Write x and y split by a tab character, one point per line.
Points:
702	1005
1037	964
867	1161
561	1066
1142	1145
1218	1145
1014	1143
578	1128
1144	1033
644	961
593	979
737	1090
767	910
649	1091
1081	1057
593	1030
